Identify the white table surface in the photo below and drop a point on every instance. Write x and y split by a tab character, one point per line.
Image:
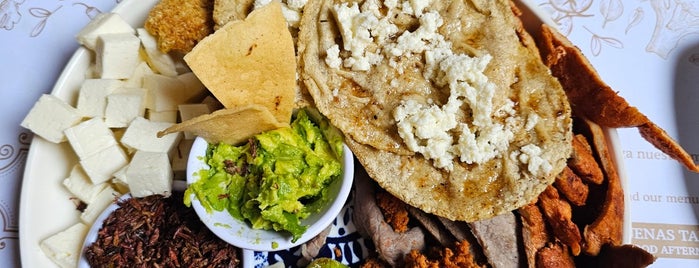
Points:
646	50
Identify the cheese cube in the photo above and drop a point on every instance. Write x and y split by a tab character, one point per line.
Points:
102	165
64	247
142	135
179	159
136	78
90	137
105	198
164	116
189	111
92	97
49	117
79	184
103	23
149	173
117	55
119	181
124	106
161	62
165	92
194	88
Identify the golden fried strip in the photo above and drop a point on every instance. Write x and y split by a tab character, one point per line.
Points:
558	214
534	234
572	187
554	255
608	227
583	162
592	98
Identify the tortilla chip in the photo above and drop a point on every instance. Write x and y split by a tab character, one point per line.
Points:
231	126
250	61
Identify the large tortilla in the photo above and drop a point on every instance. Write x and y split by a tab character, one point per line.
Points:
361	103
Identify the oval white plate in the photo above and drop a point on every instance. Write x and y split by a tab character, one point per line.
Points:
45	205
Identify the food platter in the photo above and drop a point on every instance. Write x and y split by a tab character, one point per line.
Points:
46	207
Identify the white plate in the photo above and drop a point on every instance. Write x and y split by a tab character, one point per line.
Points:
45	205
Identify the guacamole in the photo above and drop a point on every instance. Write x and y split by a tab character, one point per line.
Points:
276	179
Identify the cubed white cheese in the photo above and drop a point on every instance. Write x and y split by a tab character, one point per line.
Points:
136	79
92	97
165	92
161	62
117	55
102	165
164	116
79	184
64	247
142	135
189	111
49	117
149	173
194	89
123	106
103	23
90	137
105	198
119	181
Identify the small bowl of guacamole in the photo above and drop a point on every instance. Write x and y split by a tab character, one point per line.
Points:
277	190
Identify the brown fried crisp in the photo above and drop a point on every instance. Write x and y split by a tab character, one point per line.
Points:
583	162
178	25
594	99
572	187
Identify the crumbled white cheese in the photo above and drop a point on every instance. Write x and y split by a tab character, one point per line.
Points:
425	129
332	57
531	156
532	119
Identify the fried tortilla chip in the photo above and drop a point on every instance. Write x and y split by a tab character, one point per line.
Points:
231	126
594	99
250	61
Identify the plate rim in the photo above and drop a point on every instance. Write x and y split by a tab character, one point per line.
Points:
29	249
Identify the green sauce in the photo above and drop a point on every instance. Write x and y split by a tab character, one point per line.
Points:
274	180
